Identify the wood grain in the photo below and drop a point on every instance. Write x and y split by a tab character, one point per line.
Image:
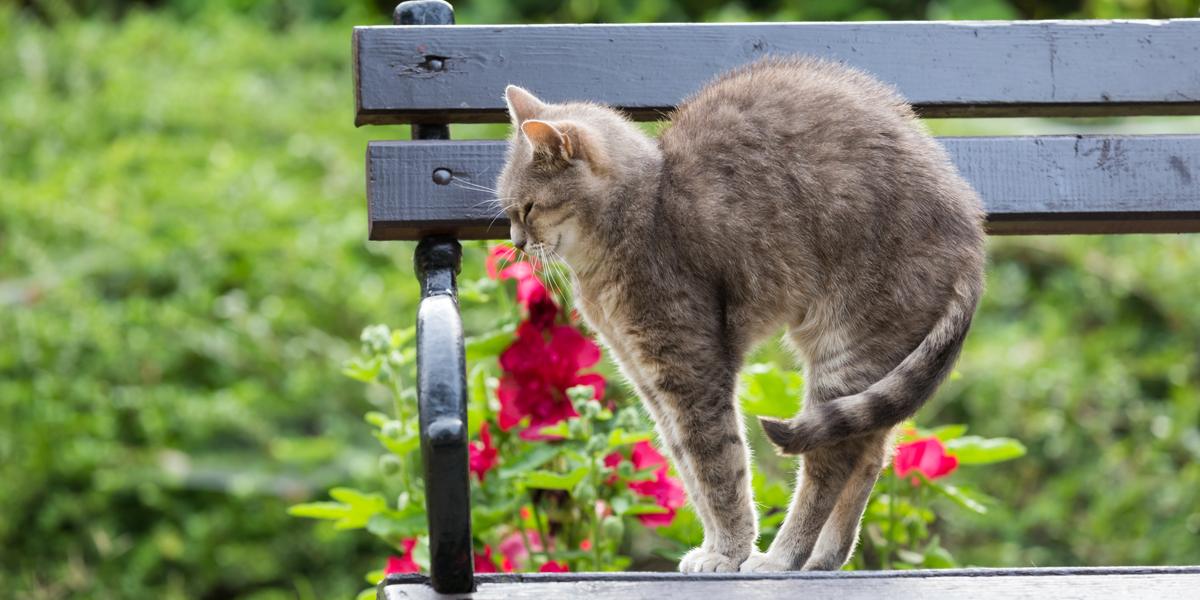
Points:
967	584
1030	185
994	68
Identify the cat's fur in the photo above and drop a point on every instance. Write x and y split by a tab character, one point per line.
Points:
789	193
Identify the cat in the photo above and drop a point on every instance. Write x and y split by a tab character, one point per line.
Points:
789	193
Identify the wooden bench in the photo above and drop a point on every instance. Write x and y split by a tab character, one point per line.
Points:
422	73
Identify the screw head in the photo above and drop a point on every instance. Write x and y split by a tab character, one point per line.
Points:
442	176
436	64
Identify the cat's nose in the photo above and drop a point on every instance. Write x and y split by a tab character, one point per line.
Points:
517	235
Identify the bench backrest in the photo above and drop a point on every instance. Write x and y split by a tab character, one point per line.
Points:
431	75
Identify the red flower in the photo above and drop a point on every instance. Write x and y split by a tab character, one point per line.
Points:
539	371
482	455
484	563
554	566
585	545
926	455
612	461
666	490
403	564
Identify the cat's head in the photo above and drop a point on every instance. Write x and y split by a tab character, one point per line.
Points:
565	163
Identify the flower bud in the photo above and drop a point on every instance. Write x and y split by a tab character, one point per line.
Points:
393	430
613	527
389	464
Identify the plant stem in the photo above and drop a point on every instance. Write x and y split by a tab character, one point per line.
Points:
528	546
537	520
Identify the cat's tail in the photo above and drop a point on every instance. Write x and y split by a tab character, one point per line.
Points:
895	397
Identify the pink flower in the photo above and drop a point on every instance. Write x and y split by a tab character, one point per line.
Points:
499	252
539	367
554	566
514	550
927	456
483	457
531	292
403	564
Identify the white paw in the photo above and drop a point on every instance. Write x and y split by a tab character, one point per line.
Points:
762	563
700	560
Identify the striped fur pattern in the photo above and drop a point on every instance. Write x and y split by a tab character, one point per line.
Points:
791	193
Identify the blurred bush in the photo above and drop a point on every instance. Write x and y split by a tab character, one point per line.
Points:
182	272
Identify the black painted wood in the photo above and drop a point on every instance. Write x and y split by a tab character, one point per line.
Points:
1150	583
1030	185
995	68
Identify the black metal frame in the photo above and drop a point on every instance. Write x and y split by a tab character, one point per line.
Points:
441	374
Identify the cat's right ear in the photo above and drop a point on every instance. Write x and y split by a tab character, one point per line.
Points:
522	105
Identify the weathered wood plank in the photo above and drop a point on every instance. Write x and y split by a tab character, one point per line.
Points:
968	584
1041	184
996	68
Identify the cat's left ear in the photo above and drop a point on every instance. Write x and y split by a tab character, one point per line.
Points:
561	142
548	140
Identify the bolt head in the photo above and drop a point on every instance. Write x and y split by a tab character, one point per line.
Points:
442	176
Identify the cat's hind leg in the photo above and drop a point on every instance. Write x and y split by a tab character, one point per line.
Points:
840	534
820	479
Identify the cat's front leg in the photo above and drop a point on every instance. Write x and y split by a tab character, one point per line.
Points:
689	378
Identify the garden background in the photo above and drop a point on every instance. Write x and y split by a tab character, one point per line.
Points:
183	272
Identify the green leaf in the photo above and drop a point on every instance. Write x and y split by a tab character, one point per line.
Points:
560	429
975	450
394	526
376	418
400	447
548	480
319	510
643	508
949	432
957	495
937	557
374	577
363	370
369	593
533	459
619	437
490	344
360	507
771	391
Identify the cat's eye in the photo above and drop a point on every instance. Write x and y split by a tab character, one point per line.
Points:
525	210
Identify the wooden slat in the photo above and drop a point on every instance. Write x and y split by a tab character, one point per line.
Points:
1030	185
1153	583
997	68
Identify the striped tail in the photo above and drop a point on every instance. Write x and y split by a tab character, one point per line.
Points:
890	400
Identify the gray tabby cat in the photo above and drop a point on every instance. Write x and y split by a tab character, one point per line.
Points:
788	193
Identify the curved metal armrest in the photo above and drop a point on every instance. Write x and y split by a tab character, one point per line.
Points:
442	398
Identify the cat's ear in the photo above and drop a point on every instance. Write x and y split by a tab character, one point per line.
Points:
548	141
522	105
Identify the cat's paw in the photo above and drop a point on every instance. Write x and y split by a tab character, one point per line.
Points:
700	560
760	562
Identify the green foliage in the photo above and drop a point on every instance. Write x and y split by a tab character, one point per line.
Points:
183	272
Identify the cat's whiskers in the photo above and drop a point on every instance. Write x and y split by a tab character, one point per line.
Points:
472	185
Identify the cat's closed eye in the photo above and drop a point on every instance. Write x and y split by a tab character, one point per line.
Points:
525	210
